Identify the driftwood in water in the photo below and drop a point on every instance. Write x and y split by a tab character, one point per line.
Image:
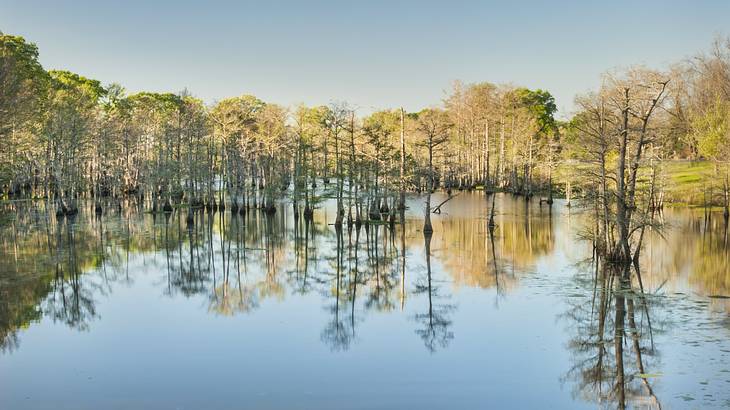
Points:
437	208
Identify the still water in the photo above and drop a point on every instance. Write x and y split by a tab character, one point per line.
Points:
131	311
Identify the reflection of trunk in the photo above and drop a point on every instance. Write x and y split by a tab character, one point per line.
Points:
167	258
306	254
637	351
191	262
620	387
354	282
494	259
403	259
338	272
600	365
427	242
602	310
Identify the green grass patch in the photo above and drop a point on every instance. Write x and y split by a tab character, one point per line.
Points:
686	182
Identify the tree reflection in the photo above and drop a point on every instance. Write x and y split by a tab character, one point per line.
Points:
337	334
435	331
519	237
695	248
234	263
612	345
72	297
45	261
383	269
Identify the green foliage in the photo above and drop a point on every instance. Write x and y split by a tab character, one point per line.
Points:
23	84
570	132
22	78
156	101
712	130
541	104
381	126
66	80
311	122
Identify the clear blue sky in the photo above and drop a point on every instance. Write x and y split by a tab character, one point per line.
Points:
373	54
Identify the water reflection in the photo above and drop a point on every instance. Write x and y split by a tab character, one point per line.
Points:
435	323
612	342
238	261
696	248
65	270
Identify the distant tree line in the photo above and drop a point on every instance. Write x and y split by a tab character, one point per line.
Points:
65	137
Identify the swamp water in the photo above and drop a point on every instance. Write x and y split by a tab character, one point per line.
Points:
132	310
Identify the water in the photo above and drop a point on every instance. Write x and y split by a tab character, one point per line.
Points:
135	311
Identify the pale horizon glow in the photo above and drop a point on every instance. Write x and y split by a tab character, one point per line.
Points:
373	55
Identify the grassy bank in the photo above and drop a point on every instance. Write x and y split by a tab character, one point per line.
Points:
687	182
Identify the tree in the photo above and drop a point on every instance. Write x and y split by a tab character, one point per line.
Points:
23	85
541	105
433	125
617	122
380	129
309	125
235	123
69	128
712	130
274	143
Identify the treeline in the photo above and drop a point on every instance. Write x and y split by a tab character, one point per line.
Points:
67	137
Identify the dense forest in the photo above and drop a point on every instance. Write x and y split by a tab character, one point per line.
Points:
67	138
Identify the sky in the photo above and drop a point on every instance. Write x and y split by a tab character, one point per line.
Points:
372	54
